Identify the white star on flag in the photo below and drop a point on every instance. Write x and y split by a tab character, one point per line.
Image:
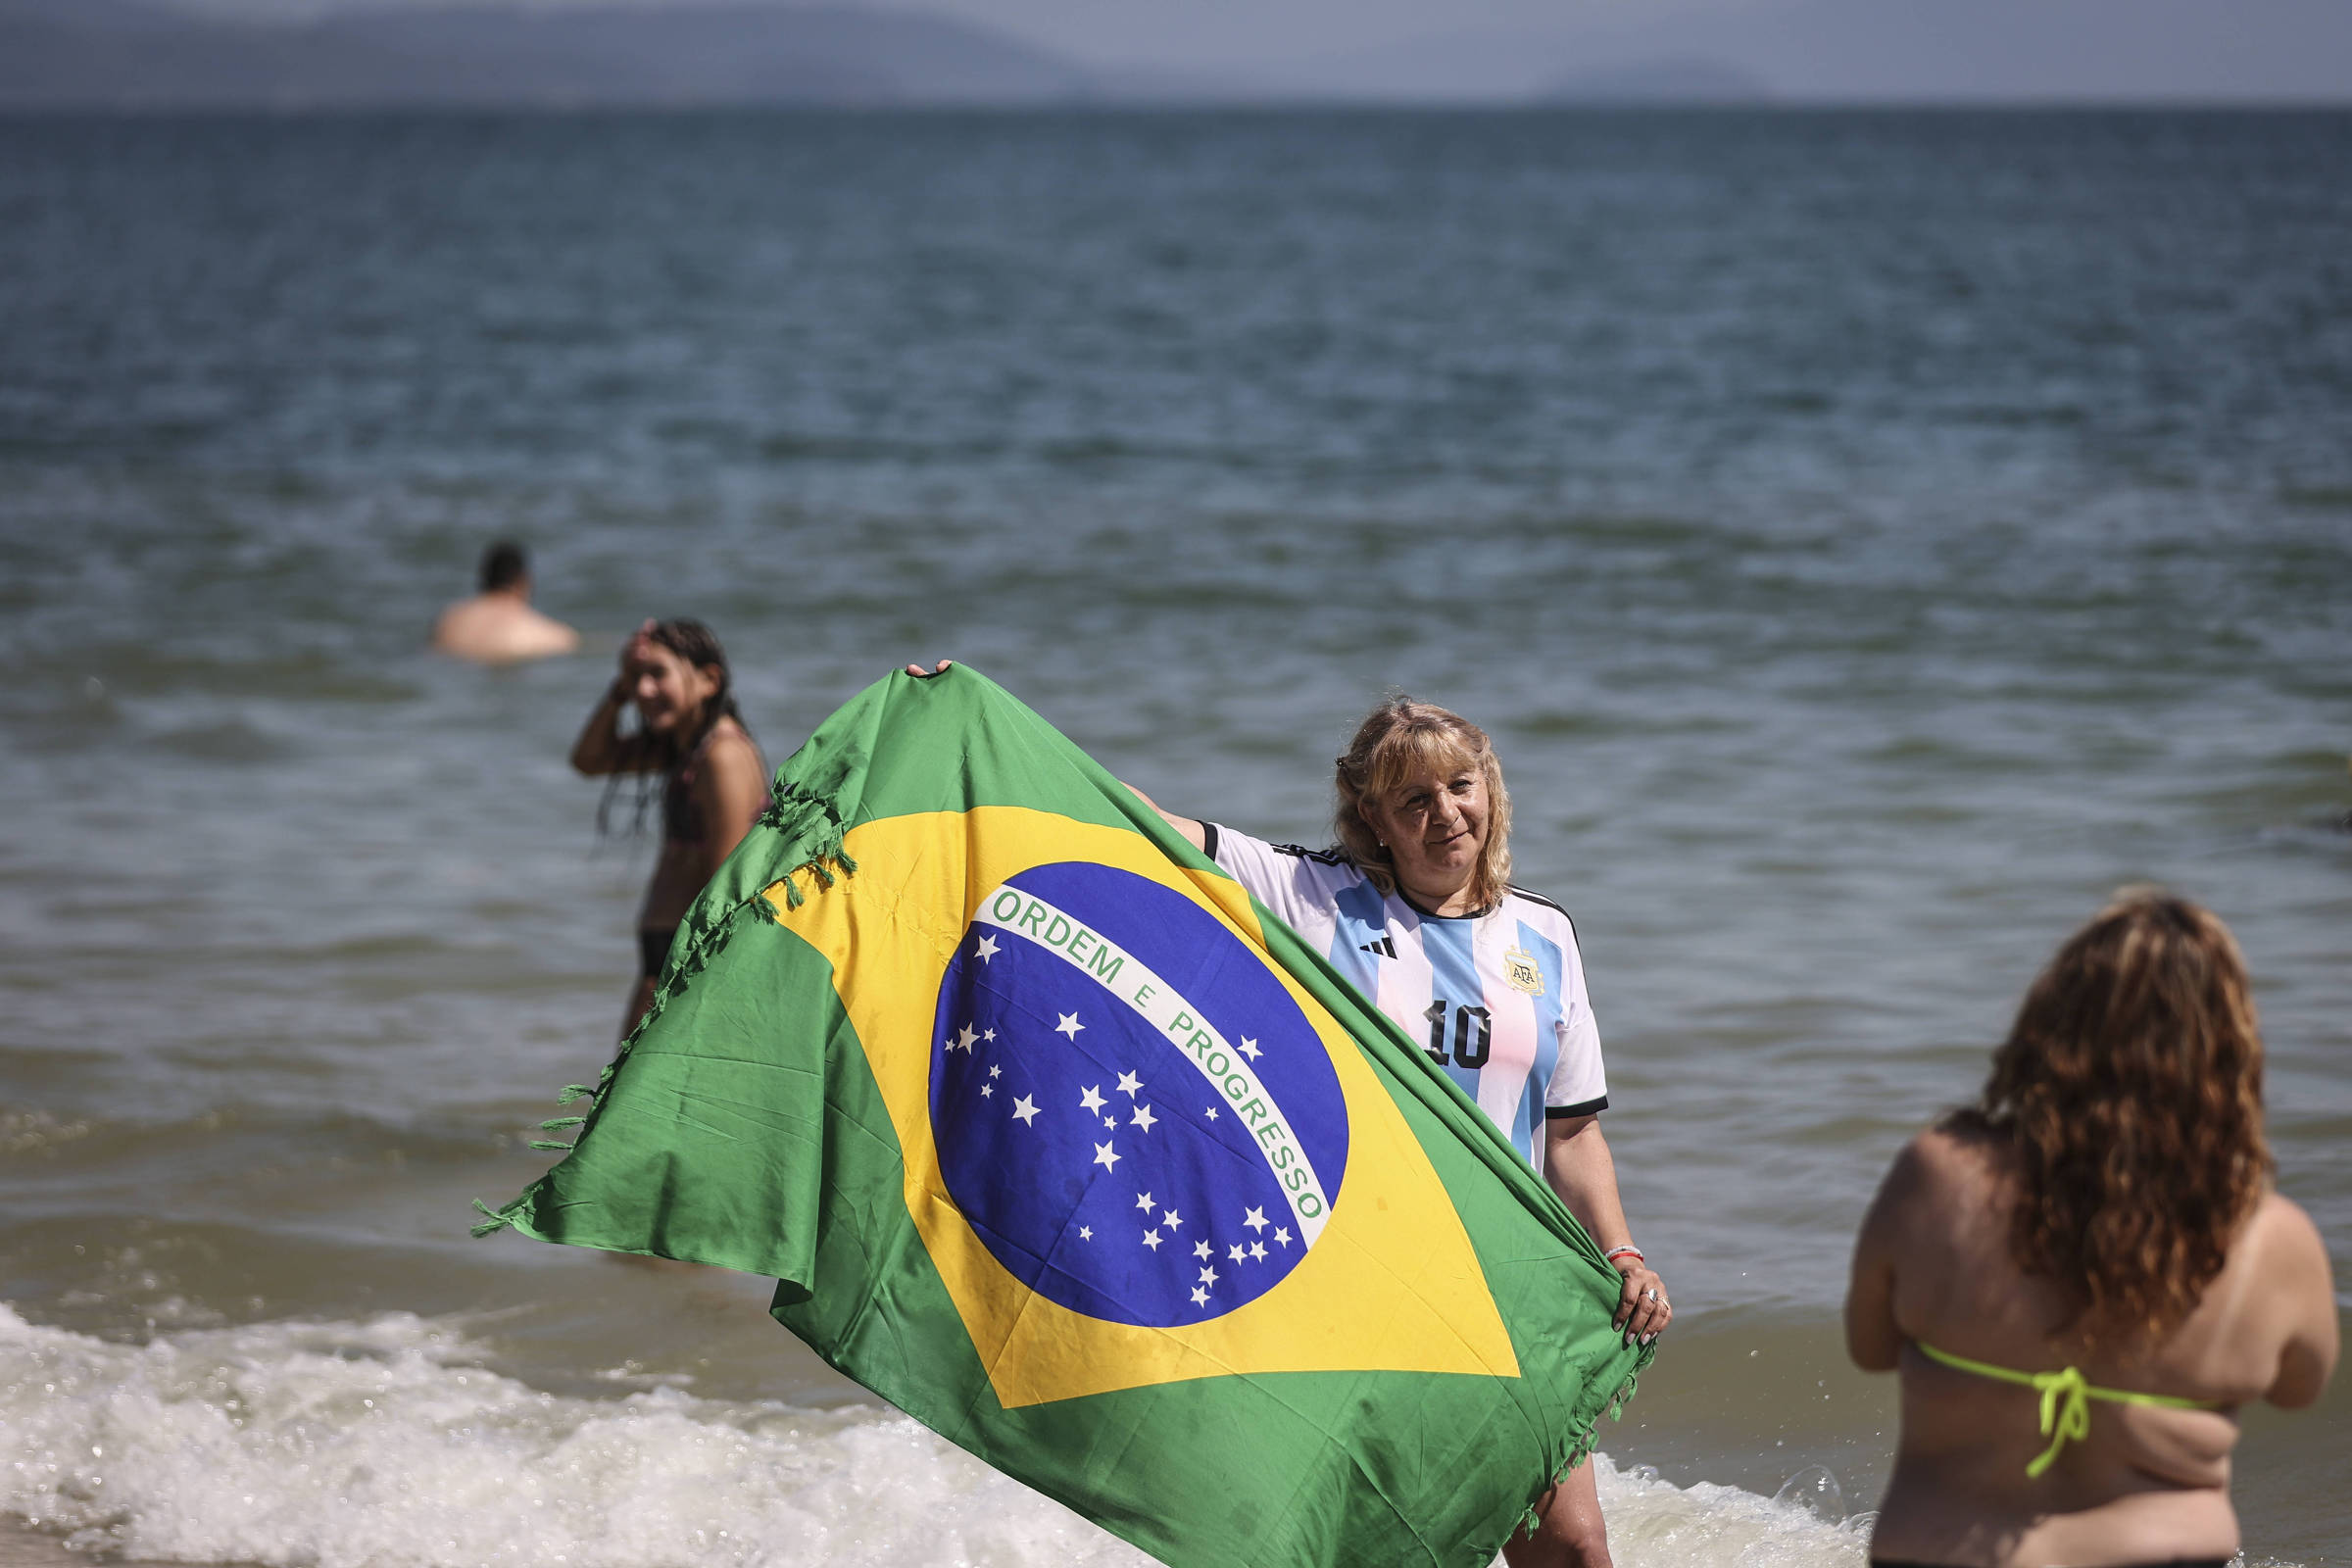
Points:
1282	1234
1202	1248
1105	1155
1143	1117
1234	1252
1208	1276
987	1090
1249	1047
1151	1239
1111	1121
1086	1233
1070	1025
1173	1220
1128	1083
1024	1111
963	1039
988	947
996	1072
1212	1113
1143	1201
1255	1219
1092	1099
1200	1296
1258	1249
987	1034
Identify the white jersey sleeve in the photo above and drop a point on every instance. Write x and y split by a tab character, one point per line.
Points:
1301	887
1579	1086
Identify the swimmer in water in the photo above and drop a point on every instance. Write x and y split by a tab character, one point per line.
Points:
2081	1277
715	781
498	625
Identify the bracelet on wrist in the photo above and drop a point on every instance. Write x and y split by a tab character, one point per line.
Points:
1615	1252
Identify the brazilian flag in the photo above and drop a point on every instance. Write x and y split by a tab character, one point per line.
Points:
1057	1140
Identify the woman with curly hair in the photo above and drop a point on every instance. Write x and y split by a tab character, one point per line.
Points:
2082	1276
714	780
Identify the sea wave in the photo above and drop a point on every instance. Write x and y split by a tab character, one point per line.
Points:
390	1443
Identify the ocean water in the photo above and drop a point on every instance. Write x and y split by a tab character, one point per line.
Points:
1871	538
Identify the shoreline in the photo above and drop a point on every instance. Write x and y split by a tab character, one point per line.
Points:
23	1546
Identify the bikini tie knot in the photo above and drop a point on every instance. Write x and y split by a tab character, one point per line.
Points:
2065	1413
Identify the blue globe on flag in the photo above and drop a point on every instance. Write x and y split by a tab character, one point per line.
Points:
1133	1117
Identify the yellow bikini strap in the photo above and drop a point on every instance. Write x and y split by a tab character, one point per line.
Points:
2065	1414
2065	1399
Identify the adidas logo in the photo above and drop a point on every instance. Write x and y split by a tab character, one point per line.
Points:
1384	948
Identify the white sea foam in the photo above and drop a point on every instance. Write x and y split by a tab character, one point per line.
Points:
386	1444
1656	1524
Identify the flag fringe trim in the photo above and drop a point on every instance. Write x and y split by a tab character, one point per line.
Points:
793	813
1615	1410
807	822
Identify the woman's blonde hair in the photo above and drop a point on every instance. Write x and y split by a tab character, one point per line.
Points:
2131	1089
1399	737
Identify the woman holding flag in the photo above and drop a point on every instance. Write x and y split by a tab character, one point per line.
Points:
1413	904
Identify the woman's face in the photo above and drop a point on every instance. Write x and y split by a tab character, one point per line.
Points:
669	691
1433	824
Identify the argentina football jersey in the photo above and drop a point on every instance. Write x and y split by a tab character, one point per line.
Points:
1497	999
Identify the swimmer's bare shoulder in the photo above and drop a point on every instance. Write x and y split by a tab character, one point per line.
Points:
735	762
732	788
2290	1284
497	628
1937	1206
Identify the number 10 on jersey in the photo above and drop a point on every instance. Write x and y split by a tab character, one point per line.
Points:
1465	1053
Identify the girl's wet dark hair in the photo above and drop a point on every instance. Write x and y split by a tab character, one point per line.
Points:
698	645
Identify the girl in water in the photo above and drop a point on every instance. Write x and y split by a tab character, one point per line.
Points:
715	781
2084	1275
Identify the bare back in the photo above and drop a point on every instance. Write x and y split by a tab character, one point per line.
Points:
2145	1484
501	628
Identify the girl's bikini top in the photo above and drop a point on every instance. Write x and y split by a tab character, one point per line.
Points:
681	814
2065	1399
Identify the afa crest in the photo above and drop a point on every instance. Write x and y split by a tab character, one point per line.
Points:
1519	967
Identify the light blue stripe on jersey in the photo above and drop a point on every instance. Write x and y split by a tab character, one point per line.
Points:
1550	1006
1362	918
1453	976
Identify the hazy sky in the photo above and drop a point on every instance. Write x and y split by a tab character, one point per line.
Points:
1901	49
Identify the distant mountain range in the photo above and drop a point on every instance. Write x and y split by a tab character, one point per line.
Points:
141	54
124	54
1857	52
